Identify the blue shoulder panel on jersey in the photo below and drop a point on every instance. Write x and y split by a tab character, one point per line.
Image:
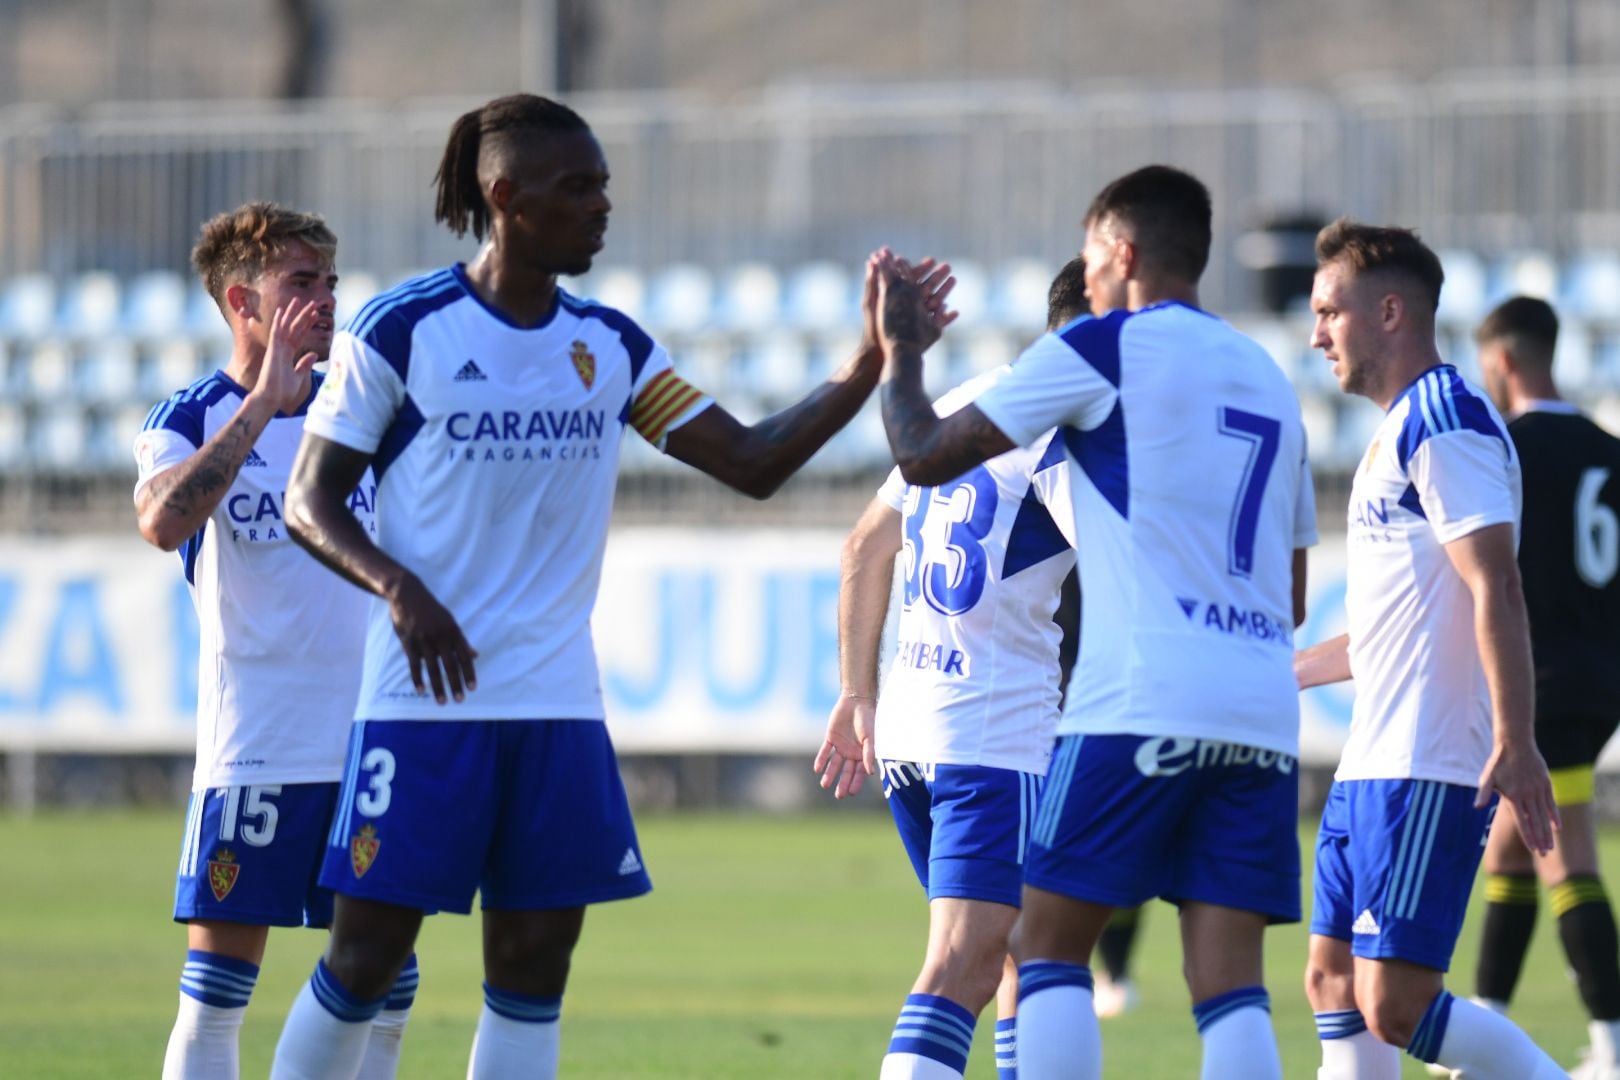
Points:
1034	536
406	423
634	338
188	554
184	411
1409	499
1097	342
1100	453
387	322
1438	401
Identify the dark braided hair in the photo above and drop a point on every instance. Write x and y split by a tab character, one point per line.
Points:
460	202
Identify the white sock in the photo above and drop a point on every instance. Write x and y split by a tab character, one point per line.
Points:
505	1048
203	1044
1500	1008
382	1048
1487	1046
1604	1036
1362	1056
1238	1040
915	1067
317	1043
1058	1034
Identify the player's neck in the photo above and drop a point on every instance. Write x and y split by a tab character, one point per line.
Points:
1403	372
1145	292
524	294
247	357
1525	391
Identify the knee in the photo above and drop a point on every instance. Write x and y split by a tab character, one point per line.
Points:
530	962
1328	989
367	967
970	981
1391	1021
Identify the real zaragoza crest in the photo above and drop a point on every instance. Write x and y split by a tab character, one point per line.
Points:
223	870
363	850
584	363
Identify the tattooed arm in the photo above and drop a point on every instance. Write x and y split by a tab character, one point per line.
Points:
174	504
928	450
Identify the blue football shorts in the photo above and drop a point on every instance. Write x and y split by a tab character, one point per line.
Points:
531	813
964	827
252	854
1395	862
1125	818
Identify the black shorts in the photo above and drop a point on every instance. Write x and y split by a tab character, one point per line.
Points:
1568	740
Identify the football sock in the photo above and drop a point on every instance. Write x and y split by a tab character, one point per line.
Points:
1007	1048
1510	919
1461	1035
387	1031
1586	927
518	1035
930	1042
214	992
326	1032
1114	947
1058	1034
1238	1040
1351	1052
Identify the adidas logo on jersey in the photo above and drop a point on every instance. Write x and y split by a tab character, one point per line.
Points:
253	460
629	864
471	372
1364	924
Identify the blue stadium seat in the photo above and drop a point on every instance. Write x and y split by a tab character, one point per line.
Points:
108	374
27	306
1591	287
58	439
48	376
90	305
13	436
1462	298
620	288
1523	273
174	366
1018	295
822	297
680	300
203	318
114	437
774	367
750	299
1357	420
1576	362
155	305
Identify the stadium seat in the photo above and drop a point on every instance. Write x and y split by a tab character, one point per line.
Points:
1462	297
155	305
49	375
353	290
173	366
203	319
1018	295
774	367
680	300
1523	273
971	295
1358	419
1591	287
90	306
108	374
58	439
822	297
1575	363
750	299
27	306
13	436
620	288
114	438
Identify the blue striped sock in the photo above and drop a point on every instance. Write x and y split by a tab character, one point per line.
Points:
1007	1049
1339	1025
221	981
525	1007
337	1000
1040	975
934	1027
403	993
1431	1030
1208	1012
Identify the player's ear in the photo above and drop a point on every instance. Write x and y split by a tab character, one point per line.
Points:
1392	310
500	194
242	301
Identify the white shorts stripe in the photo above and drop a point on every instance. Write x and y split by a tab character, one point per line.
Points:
351	775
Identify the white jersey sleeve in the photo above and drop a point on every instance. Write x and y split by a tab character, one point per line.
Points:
1046	388
361	396
893	491
172	433
1460	483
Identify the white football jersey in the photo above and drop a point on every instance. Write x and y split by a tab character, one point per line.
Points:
974	678
281	636
1191	490
496	450
1440	466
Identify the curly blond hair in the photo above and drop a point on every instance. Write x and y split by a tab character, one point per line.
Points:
236	246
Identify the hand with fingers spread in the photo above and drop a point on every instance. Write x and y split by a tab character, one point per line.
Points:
284	372
432	639
847	756
1518	773
920	293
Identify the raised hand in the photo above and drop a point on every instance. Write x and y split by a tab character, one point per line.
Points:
432	639
284	372
916	295
847	756
1519	775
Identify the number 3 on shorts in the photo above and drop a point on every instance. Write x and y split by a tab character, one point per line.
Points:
373	802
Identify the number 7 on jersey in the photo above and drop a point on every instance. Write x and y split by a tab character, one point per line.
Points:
1262	434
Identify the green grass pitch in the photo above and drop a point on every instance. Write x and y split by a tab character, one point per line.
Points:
772	947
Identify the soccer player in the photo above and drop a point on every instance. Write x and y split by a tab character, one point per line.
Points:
280	639
492	404
1569	553
964	727
1440	650
1175	772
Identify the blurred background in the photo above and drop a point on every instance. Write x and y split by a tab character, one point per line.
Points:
759	150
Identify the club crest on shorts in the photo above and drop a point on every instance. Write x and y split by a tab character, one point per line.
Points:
363	850
223	870
584	363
